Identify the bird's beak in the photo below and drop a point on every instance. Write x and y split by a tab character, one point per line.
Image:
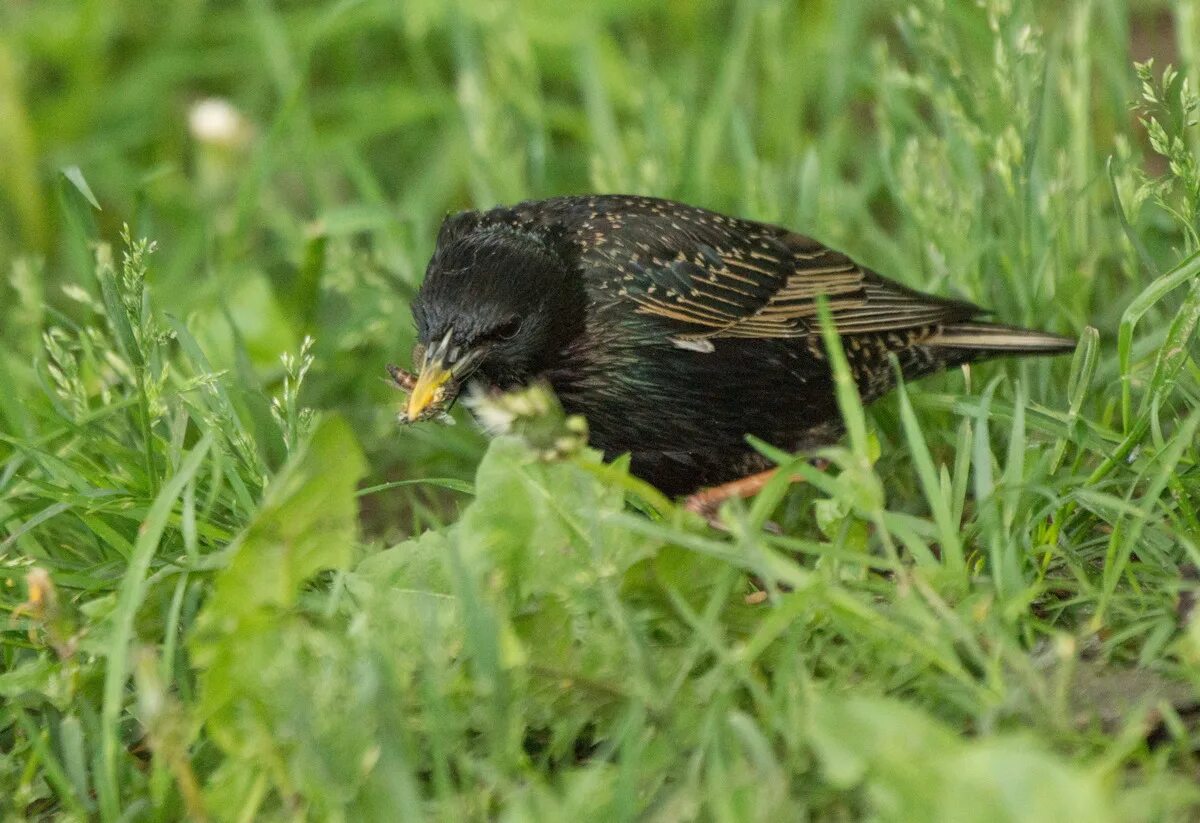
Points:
441	365
434	374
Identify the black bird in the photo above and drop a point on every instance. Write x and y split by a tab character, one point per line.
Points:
674	330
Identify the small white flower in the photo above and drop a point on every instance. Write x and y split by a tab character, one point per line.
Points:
217	122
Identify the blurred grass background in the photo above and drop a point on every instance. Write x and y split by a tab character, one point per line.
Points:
1034	522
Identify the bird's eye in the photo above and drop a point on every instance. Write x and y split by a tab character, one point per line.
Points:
507	330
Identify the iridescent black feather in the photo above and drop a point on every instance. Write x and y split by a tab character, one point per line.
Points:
677	331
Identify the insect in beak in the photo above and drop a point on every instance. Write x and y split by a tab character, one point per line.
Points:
443	370
434	374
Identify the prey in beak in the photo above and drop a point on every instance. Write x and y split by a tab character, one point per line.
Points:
442	371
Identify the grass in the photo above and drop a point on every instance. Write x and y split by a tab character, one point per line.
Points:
233	589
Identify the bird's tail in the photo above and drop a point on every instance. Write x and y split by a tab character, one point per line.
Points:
990	339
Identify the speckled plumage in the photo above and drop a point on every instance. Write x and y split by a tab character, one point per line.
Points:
677	331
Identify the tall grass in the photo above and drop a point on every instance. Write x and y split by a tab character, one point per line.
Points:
234	590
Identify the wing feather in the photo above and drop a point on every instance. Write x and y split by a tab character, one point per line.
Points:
708	276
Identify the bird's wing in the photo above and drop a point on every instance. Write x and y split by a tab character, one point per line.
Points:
710	276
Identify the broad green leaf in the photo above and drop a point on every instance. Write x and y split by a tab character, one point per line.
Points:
307	522
911	767
250	648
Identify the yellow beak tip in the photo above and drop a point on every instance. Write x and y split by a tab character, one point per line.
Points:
427	391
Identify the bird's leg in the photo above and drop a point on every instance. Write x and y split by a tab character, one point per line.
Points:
707	502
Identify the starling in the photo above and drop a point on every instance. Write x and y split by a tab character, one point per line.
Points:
674	330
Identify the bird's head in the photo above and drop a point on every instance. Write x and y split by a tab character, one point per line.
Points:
496	303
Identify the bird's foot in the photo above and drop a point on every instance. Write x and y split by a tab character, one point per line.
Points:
707	502
710	512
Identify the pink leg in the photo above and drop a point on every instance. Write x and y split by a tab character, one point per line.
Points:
706	502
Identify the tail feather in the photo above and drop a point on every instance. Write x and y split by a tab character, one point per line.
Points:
1000	339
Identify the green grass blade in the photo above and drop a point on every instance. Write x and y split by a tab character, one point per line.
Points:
129	599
